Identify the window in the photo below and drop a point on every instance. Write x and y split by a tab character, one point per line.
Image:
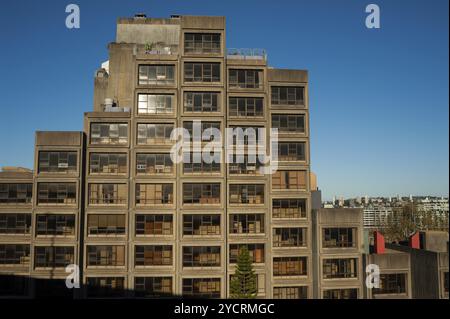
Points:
14	254
154	164
155	104
289	123
247	135
109	133
106	224
156	74
290	292
201	193
189	126
249	166
201	72
102	255
57	162
55	225
351	293
289	208
53	256
391	284
289	237
287	95
291	151
108	164
246	223
256	252
290	266
15	223
151	134
57	193
246	79
201	287
339	237
153	224
199	43
201	256
154	194
246	107
105	287
201	102
340	268
153	255
108	194
289	180
15	193
201	225
247	194
153	287
190	164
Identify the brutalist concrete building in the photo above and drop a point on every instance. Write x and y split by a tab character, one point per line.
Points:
111	200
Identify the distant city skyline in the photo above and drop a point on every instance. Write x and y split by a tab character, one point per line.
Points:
378	98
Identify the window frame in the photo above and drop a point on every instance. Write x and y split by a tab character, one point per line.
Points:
165	72
200	196
63	159
193	45
119	166
49	193
207	72
105	133
160	194
191	98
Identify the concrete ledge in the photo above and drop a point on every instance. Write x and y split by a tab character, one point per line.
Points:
286	75
58	138
202	22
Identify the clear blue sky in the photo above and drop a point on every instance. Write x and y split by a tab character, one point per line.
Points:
379	98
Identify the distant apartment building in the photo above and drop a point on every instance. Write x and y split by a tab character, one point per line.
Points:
110	199
375	216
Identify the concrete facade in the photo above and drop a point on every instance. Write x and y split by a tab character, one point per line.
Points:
340	247
113	201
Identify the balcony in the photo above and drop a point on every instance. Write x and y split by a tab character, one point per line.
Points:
246	54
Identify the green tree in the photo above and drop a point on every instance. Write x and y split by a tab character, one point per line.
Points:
243	282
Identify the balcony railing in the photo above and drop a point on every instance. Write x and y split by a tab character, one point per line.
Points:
246	54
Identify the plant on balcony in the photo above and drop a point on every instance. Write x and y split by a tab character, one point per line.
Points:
243	282
149	47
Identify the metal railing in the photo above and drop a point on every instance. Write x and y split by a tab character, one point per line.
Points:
246	54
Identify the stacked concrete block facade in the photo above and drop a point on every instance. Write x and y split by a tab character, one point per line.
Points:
112	201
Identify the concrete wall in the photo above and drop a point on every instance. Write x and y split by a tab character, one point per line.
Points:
436	241
58	138
286	75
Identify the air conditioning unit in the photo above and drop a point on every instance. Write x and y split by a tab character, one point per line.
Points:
251	168
141	166
63	165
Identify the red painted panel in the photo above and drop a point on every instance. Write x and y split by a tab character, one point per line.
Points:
414	241
378	242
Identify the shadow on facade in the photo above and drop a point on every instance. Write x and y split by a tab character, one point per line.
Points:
15	287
